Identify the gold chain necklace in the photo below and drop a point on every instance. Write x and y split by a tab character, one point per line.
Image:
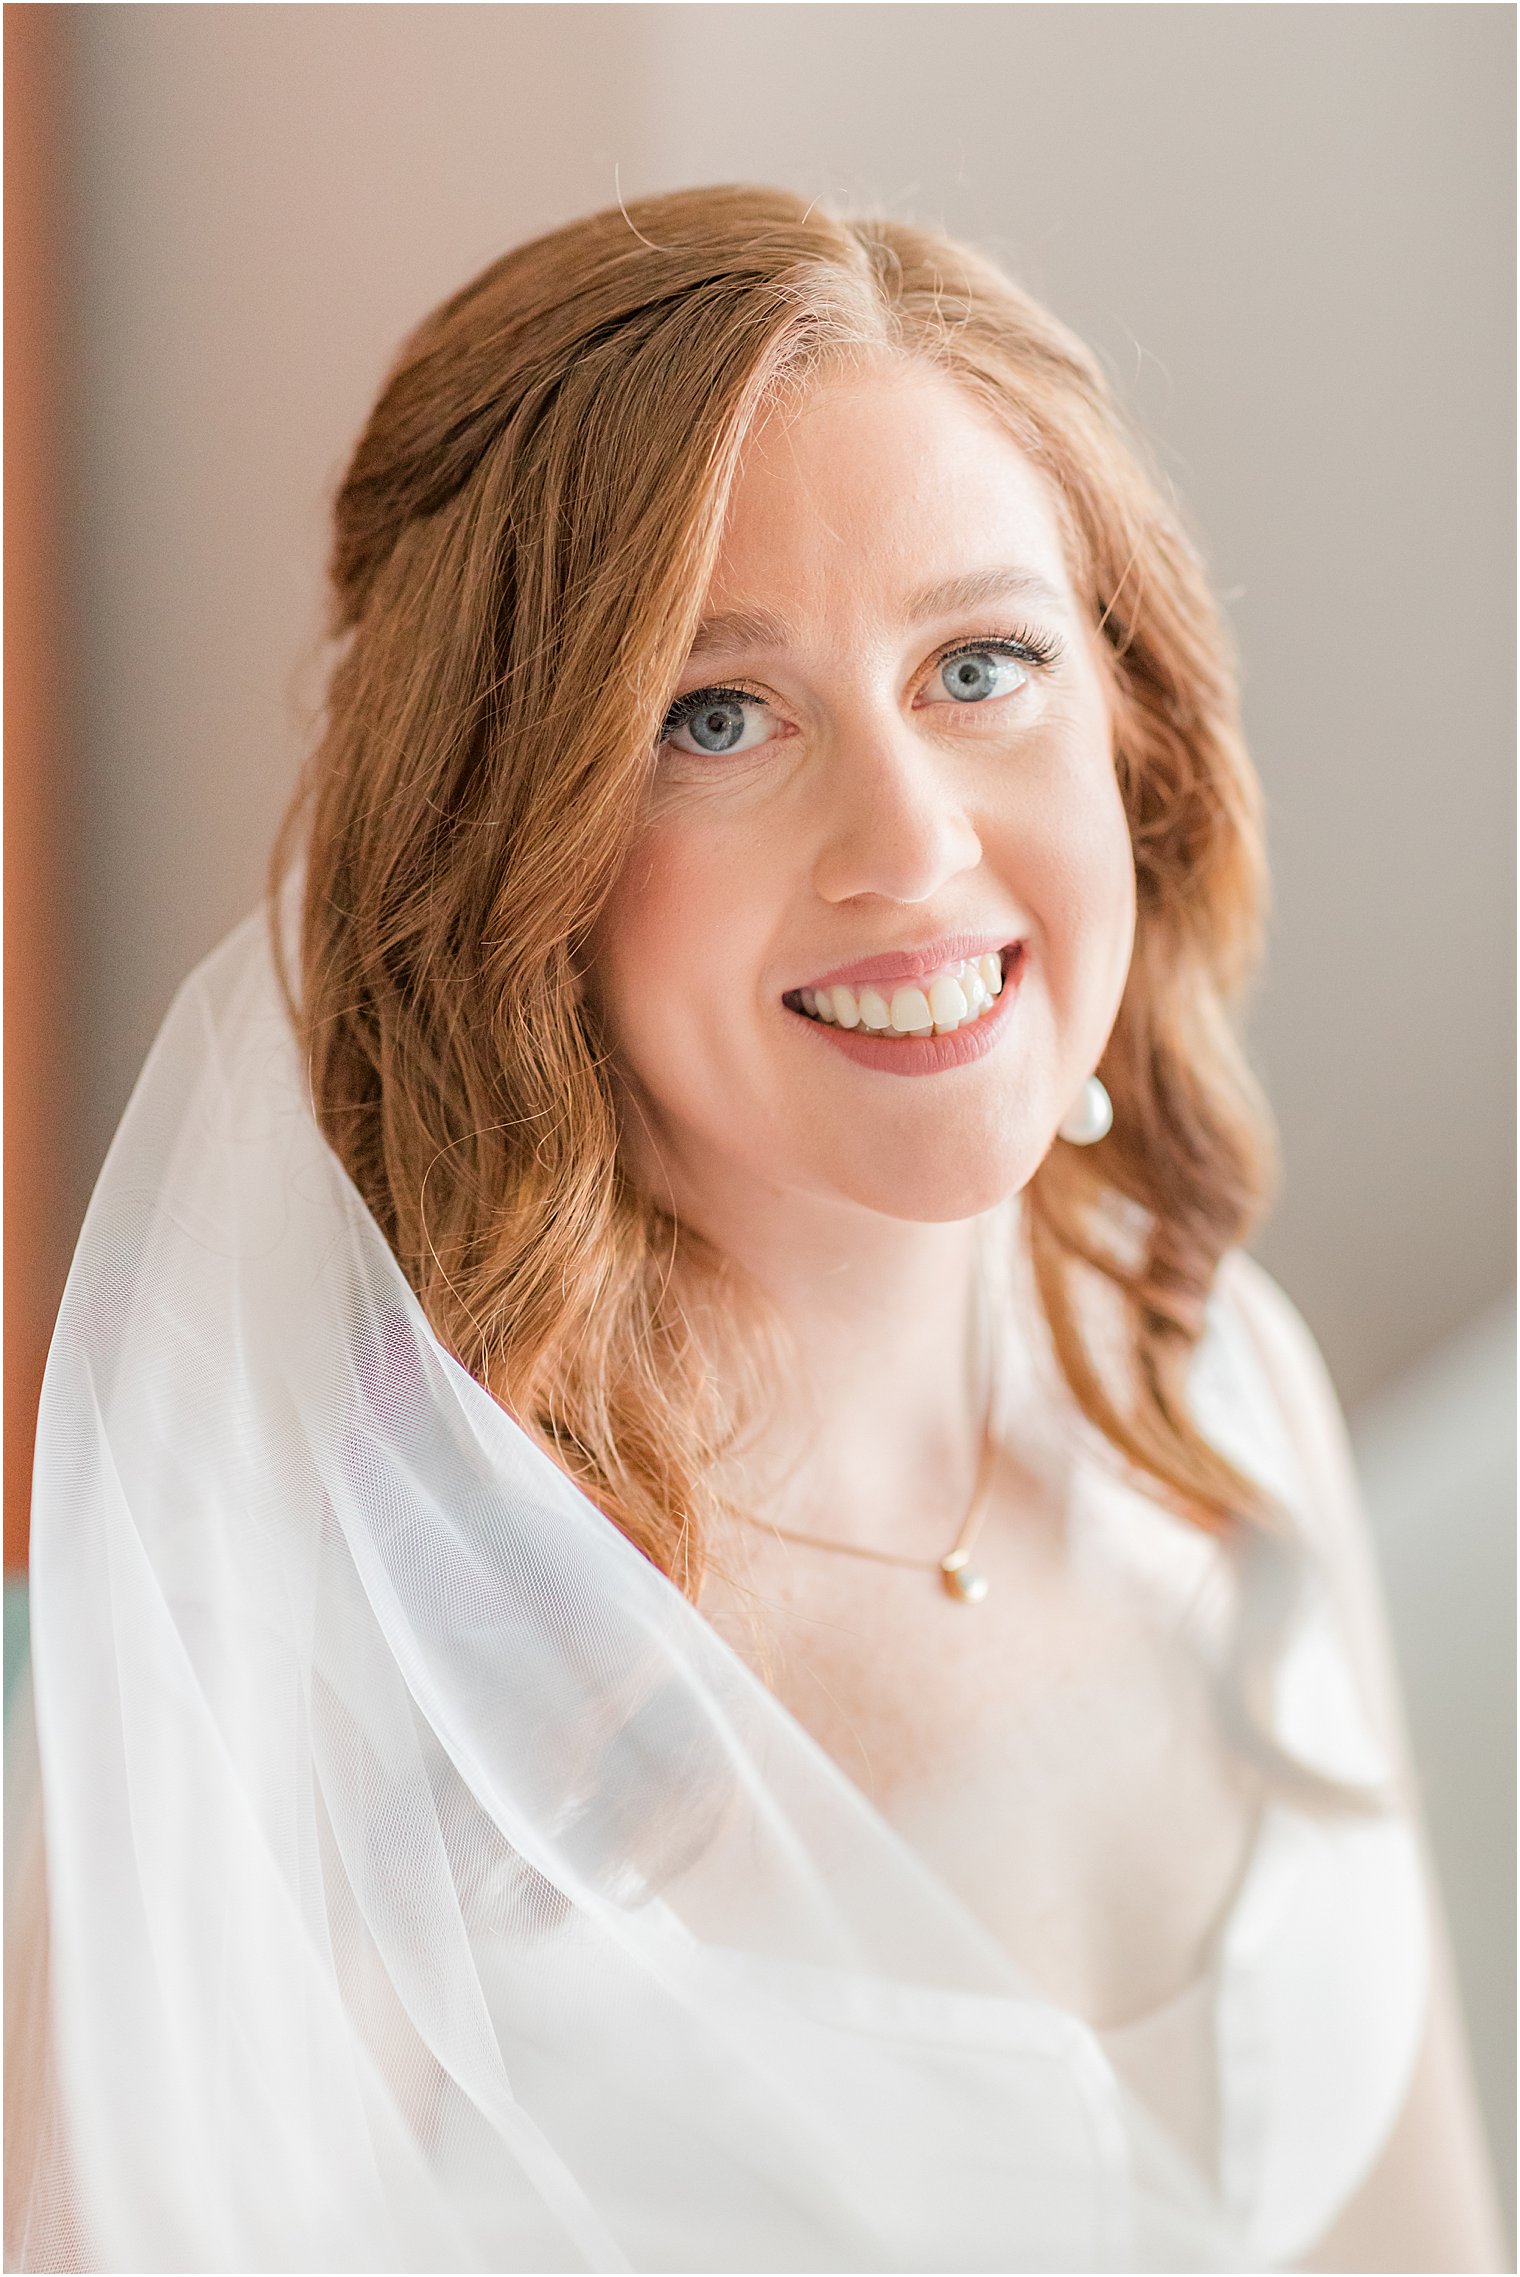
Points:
958	1576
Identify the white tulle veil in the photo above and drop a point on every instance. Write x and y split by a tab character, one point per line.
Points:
427	1885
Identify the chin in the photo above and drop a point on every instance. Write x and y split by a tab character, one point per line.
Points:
941	1188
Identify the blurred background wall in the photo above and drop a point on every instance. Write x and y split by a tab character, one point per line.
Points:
1289	233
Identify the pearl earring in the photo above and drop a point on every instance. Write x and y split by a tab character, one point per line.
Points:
1091	1118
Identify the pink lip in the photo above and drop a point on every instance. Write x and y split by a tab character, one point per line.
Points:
911	964
925	1055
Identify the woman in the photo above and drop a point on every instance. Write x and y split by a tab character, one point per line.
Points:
690	1611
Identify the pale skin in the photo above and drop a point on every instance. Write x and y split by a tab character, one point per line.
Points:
866	810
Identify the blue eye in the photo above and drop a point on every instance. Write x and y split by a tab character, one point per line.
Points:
713	722
971	675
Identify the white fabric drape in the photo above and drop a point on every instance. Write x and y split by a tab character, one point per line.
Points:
427	1885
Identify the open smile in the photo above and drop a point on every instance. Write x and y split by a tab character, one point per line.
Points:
942	1019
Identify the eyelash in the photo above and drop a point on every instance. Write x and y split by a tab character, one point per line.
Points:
1040	649
683	707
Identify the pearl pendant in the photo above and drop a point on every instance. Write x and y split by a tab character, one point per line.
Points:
962	1581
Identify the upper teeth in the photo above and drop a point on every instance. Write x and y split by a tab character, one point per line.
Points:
950	998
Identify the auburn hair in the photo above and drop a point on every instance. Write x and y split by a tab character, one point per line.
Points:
534	507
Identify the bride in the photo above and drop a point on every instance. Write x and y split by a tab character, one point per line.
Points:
691	1611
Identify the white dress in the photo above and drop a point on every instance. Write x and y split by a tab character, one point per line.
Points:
1284	2066
420	1882
1278	2073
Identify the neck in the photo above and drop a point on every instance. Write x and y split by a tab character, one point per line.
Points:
878	1437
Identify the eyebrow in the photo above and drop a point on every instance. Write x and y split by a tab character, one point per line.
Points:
741	628
980	585
762	628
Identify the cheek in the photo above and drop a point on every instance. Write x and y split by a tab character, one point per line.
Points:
1081	886
1110	899
639	938
667	940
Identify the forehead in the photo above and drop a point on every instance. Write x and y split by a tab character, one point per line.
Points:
889	487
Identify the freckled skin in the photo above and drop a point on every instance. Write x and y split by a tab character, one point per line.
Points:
869	819
868	813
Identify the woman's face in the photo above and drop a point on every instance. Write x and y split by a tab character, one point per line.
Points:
889	755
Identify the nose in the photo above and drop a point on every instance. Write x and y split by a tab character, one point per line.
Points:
897	825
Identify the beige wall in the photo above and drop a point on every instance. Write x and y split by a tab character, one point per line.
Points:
1287	229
